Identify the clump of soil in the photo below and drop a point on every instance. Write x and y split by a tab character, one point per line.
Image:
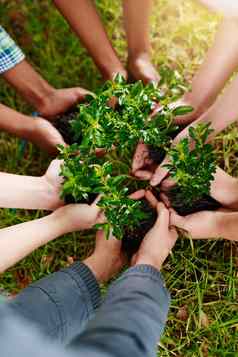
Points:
206	203
62	124
132	239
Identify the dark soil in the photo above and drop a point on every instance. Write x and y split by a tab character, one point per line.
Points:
132	240
62	124
207	203
91	198
158	155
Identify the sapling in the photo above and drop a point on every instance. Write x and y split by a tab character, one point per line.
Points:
192	166
115	126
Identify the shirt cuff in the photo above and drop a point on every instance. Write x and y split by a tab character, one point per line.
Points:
82	272
10	53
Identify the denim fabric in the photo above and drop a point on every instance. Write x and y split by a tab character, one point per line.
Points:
56	316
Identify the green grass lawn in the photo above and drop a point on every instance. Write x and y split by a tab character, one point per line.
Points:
202	276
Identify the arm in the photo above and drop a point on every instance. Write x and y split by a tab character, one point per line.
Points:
28	192
38	131
227	8
215	224
18	241
133	315
47	100
221	114
85	21
221	61
37	91
137	25
131	319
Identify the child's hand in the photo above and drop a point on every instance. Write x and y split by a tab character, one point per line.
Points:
52	182
76	217
159	241
201	225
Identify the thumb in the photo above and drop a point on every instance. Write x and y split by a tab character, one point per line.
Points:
163	215
160	173
177	220
81	93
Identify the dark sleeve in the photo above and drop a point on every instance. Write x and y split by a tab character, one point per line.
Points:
131	319
61	304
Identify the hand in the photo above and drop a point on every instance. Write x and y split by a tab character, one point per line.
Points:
141	160
141	68
201	225
76	217
107	258
45	135
159	241
187	118
61	100
52	182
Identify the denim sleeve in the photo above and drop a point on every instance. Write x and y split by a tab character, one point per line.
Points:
61	304
131	319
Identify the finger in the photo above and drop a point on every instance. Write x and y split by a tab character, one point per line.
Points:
160	173
134	259
81	93
140	156
137	195
157	109
167	184
163	215
151	199
165	200
143	175
177	220
101	218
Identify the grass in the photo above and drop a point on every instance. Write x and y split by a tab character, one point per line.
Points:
202	275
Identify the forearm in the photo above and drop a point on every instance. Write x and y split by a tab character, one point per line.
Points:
29	84
131	319
221	61
27	192
137	24
227	224
85	21
18	241
61	304
16	123
221	114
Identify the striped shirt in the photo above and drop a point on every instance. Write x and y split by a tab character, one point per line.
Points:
10	53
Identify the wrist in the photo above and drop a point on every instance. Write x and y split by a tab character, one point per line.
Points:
149	260
50	195
100	273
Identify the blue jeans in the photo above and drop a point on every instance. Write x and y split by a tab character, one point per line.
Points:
62	315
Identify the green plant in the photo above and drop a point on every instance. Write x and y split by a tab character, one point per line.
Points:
192	165
115	120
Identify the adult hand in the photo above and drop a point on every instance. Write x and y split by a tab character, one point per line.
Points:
159	241
45	135
61	100
141	68
107	258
